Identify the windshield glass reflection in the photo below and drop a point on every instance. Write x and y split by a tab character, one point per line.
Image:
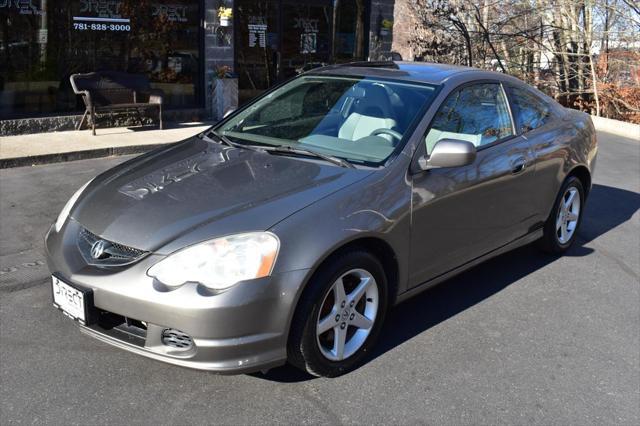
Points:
358	119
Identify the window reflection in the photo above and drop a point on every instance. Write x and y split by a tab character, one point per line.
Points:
478	114
349	30
355	118
530	112
43	42
276	39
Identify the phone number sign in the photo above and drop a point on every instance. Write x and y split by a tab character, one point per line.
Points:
89	23
98	26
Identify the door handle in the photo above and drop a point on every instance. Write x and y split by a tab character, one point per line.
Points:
519	166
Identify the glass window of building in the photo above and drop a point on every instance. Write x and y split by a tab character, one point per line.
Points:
43	42
277	39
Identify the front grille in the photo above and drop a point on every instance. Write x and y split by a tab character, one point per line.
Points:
176	339
111	253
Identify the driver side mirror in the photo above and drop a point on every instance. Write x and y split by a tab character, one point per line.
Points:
449	153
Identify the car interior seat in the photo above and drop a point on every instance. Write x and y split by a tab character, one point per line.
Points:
371	112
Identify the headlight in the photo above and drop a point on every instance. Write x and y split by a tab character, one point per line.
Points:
62	217
220	263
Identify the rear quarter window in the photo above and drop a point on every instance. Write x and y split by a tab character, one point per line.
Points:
530	112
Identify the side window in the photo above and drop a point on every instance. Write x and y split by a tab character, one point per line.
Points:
530	112
477	113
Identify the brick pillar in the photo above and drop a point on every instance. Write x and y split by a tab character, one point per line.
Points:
403	25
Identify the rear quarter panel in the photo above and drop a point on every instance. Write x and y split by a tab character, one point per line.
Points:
567	142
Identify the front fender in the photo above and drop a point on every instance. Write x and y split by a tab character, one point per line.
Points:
377	207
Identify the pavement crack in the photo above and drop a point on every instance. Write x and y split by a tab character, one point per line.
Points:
623	266
310	396
11	288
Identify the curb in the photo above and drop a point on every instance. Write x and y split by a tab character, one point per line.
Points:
616	127
62	157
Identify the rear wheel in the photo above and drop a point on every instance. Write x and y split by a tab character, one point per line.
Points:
561	228
339	315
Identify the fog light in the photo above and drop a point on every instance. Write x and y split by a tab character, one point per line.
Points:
176	339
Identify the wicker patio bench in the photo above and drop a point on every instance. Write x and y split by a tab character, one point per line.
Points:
111	91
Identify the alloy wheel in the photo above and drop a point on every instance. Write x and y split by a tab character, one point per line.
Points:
568	215
347	314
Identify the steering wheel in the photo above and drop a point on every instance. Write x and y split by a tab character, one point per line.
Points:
383	131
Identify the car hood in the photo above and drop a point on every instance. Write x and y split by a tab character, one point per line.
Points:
172	193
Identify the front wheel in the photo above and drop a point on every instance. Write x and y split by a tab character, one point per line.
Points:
339	315
561	228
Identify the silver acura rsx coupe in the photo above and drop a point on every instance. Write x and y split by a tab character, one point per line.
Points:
288	230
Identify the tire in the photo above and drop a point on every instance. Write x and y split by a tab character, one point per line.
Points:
555	240
318	354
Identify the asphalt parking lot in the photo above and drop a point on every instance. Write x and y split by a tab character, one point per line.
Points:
524	338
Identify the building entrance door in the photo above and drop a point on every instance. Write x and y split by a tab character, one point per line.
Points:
277	39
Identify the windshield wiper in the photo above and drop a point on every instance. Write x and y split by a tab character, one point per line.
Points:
226	141
284	149
221	138
281	149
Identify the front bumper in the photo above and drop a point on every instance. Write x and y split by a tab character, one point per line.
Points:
239	330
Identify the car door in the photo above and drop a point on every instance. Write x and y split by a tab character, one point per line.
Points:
536	120
459	214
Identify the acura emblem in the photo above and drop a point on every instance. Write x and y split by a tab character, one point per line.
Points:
99	249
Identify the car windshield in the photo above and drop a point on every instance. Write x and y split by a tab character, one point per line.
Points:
359	119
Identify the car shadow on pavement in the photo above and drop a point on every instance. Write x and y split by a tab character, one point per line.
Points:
607	208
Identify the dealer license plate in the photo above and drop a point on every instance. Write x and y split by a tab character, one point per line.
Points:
69	300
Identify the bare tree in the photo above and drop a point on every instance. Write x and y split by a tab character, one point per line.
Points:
572	49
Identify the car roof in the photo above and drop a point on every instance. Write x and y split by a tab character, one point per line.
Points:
424	72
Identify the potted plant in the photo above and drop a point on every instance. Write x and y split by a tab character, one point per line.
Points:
225	91
225	14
